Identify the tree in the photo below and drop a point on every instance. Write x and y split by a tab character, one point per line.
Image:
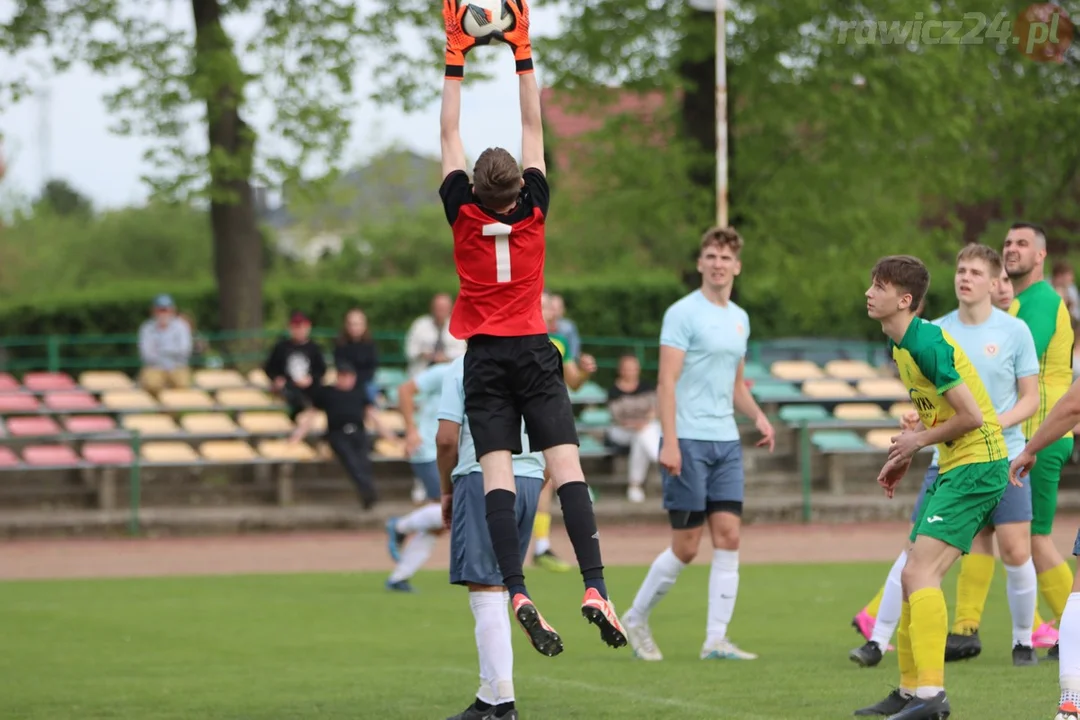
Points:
300	60
59	197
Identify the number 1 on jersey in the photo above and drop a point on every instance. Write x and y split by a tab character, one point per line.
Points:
501	233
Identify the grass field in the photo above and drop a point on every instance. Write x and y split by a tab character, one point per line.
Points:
341	647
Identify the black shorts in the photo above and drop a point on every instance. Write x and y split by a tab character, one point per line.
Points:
508	379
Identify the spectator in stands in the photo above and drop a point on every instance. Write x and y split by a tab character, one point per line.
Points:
356	347
347	407
565	327
165	348
429	340
292	359
632	403
1064	281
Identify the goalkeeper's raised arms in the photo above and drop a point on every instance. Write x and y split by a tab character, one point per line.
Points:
458	42
518	36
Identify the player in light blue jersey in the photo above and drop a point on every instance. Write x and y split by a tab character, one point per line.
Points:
1002	350
702	346
472	556
418	401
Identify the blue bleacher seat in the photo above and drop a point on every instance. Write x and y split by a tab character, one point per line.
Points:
595	417
837	441
774	391
798	413
590	392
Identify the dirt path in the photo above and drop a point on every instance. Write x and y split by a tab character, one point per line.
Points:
343	552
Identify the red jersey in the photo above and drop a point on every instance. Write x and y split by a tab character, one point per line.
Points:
499	259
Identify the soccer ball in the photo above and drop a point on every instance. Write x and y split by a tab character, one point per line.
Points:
486	20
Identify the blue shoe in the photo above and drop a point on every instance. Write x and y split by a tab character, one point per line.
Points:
400	586
394	539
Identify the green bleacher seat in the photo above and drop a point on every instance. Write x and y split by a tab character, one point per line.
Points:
390	377
756	371
590	392
798	413
595	417
588	445
837	441
774	391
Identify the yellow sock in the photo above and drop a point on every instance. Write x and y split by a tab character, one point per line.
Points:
909	678
929	628
1055	585
542	526
874	605
1038	619
972	587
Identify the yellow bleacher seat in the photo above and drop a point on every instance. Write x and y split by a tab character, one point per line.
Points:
102	380
185	399
390	449
209	424
858	411
330	377
319	424
897	410
883	388
128	400
881	438
167	452
213	379
227	451
828	389
849	369
285	450
391	420
265	423
795	370
150	424
244	398
257	377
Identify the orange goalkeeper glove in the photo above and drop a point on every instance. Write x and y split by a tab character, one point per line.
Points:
458	42
518	38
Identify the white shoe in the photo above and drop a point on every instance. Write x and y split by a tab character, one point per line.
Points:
724	650
635	494
640	638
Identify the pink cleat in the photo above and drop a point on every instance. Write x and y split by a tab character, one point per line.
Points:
864	624
1045	636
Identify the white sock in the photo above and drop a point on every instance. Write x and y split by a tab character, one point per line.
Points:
661	577
424	519
1021	585
723	588
930	691
542	545
413	556
892	603
494	646
1069	649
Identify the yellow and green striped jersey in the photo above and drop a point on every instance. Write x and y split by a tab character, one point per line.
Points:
931	363
1048	318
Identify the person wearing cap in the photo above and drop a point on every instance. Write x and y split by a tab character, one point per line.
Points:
165	348
294	357
347	406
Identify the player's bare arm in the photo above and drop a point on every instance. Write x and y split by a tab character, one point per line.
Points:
671	365
407	406
967	417
575	374
532	128
1027	402
1062	418
453	151
446	457
744	402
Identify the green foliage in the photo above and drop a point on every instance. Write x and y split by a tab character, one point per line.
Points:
60	198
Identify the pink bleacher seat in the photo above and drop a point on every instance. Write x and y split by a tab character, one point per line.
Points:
42	381
108	453
50	456
18	403
32	426
8	383
71	400
8	458
89	424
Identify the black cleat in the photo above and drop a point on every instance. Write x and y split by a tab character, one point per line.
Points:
1024	655
893	703
917	708
471	713
962	647
1052	653
869	655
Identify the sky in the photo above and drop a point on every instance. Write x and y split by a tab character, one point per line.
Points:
63	132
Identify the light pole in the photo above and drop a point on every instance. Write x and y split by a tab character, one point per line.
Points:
719	7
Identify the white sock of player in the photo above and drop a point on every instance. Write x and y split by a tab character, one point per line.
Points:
1069	648
723	589
892	604
661	577
1021	585
542	545
413	556
494	645
425	519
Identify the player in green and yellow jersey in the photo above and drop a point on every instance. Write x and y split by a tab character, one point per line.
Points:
575	372
957	415
1039	305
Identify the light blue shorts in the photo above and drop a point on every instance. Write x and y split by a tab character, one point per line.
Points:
712	473
428	474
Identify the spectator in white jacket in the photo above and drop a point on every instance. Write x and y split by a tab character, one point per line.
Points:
429	340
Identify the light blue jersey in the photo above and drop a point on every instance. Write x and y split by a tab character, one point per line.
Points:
429	383
1002	349
714	340
452	408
